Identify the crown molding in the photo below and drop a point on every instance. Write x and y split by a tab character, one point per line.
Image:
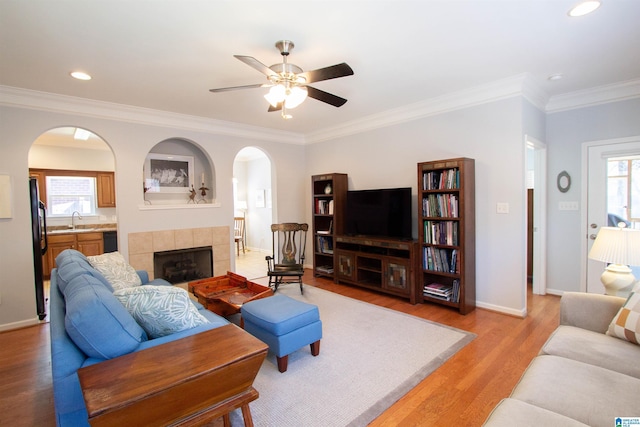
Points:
520	85
44	101
594	96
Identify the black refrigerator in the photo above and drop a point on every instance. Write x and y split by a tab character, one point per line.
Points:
39	238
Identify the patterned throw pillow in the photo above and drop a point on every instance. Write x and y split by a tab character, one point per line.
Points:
626	324
160	310
116	270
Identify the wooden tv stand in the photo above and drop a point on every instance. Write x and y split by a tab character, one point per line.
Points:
385	265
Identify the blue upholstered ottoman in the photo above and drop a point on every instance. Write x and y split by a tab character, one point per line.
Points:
285	324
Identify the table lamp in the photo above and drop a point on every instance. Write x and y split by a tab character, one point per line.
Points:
620	247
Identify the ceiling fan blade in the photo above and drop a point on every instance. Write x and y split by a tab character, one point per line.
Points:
272	108
226	89
254	63
323	96
327	73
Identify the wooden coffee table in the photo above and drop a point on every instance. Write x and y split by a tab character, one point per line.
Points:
186	382
224	295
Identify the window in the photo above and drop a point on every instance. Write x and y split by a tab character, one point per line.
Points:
623	192
67	194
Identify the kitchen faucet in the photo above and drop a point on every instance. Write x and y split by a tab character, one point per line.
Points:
73	226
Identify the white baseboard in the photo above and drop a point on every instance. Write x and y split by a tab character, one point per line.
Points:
500	309
18	325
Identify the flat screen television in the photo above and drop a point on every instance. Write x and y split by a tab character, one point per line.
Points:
380	213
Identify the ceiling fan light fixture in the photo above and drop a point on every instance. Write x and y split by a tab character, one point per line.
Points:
276	95
296	96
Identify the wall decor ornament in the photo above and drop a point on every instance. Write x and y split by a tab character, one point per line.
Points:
564	181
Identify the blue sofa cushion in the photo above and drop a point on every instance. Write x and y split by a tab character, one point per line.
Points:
73	268
97	322
70	255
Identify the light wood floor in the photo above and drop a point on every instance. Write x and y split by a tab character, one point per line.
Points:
460	393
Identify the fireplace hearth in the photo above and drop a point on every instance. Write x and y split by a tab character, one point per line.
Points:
183	265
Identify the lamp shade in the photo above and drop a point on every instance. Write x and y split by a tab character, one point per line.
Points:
617	246
295	96
276	95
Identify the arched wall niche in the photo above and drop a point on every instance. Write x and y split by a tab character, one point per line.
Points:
178	171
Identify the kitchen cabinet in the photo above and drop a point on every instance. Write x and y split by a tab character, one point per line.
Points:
90	244
106	187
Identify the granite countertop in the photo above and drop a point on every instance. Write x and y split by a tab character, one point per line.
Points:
85	228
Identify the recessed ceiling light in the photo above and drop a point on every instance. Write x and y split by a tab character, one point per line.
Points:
584	8
554	77
80	75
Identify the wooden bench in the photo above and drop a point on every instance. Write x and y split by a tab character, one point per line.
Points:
186	382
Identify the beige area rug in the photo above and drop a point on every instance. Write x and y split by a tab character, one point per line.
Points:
369	358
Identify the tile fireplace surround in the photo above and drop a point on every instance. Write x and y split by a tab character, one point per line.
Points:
143	245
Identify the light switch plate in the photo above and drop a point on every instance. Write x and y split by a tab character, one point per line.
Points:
502	208
569	206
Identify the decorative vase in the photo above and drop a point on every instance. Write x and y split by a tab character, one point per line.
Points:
327	189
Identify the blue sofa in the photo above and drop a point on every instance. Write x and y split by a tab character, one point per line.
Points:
89	325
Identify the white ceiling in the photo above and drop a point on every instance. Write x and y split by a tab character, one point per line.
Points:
166	55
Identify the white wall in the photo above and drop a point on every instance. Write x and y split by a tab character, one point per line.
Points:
70	158
492	134
566	132
259	219
130	143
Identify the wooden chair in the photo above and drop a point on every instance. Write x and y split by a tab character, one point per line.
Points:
239	233
286	265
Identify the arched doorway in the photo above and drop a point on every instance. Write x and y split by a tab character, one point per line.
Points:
73	170
252	193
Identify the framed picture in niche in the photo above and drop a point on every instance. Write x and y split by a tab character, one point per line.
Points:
168	173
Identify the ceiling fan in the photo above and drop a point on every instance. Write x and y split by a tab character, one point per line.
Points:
289	85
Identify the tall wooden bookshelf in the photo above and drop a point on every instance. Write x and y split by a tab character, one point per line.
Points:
329	196
446	232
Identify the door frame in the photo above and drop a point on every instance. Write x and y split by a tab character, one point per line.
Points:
539	214
584	246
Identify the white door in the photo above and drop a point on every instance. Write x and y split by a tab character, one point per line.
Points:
595	156
538	152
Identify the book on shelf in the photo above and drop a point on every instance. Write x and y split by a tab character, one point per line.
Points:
326	231
441	260
325	269
440	205
441	180
441	233
325	245
443	292
324	207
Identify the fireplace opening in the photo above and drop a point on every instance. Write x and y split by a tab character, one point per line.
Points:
183	265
